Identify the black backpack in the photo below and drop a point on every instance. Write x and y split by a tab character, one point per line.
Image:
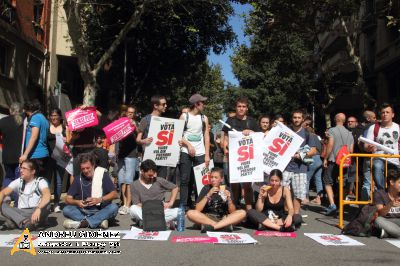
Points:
153	216
362	225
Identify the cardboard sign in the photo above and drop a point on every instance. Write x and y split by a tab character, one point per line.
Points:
194	239
275	234
118	130
164	150
139	234
245	157
79	119
280	144
202	175
232	238
333	240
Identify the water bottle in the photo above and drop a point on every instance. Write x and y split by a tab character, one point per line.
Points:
181	219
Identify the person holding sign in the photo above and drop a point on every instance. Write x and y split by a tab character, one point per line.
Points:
246	124
295	174
271	206
159	104
215	209
195	146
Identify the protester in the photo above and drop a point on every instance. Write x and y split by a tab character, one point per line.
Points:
150	187
272	203
60	156
265	123
128	162
357	131
243	123
89	199
215	208
386	133
278	118
100	151
11	128
195	146
388	207
35	145
33	200
295	173
338	137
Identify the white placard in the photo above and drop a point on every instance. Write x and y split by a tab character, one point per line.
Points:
394	242
8	241
333	240
139	234
280	144
164	150
377	145
245	157
232	238
202	175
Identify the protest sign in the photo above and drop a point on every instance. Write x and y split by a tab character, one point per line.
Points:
232	238
118	130
394	242
202	175
245	157
333	240
275	234
144	235
280	144
194	239
164	150
81	118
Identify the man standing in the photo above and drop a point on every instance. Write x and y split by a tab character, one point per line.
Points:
246	124
386	133
159	105
295	174
89	199
357	131
149	187
338	137
195	146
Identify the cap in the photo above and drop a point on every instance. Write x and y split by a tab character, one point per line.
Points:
195	98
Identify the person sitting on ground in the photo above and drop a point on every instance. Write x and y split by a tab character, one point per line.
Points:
151	187
388	207
33	202
271	204
215	209
89	199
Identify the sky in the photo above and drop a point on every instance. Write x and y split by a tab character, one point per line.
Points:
237	23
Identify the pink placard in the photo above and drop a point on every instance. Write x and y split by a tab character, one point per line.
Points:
275	234
118	130
81	118
194	239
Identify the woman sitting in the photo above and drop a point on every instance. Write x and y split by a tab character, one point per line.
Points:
271	206
215	209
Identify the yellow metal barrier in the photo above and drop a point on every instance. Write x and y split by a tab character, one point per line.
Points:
356	156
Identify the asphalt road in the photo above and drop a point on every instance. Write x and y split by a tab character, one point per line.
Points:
268	251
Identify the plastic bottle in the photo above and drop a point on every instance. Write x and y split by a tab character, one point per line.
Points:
181	219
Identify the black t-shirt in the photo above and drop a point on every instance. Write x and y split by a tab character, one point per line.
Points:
128	147
357	132
382	197
217	205
12	139
240	125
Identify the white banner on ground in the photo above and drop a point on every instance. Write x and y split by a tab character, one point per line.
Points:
394	242
139	234
166	132
8	241
202	175
333	240
280	144
232	238
245	157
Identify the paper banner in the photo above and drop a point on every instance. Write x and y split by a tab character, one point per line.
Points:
275	234
232	238
333	240
81	118
118	130
194	239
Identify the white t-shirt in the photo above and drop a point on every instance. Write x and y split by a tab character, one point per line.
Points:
388	137
29	198
194	134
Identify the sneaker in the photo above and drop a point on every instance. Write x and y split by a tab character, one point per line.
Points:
383	234
206	227
57	209
123	210
104	224
71	224
330	210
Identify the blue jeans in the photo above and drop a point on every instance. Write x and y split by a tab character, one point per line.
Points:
94	217
315	170
186	164
366	187
127	170
59	173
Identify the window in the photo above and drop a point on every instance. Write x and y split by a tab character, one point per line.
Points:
35	70
7	57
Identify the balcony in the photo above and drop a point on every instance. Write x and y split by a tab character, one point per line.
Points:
7	11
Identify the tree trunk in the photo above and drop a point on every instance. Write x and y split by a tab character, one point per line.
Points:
328	121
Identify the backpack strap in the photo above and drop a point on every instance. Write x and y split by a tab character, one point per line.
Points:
186	121
36	186
203	123
376	130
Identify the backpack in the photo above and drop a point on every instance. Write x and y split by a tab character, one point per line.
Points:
362	225
202	120
153	216
36	189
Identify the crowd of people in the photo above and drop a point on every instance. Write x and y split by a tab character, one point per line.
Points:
38	152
